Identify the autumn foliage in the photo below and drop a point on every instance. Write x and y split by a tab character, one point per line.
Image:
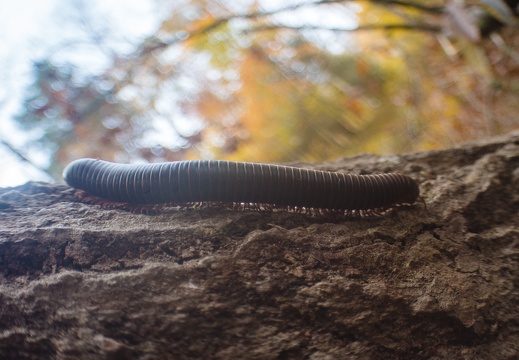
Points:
236	82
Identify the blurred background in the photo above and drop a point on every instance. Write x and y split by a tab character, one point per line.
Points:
250	80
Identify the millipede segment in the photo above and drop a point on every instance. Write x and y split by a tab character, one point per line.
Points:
242	185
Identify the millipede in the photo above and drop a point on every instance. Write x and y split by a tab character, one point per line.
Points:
242	185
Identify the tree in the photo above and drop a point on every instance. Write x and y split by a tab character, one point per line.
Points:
243	82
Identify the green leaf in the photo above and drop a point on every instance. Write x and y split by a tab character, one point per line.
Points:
477	59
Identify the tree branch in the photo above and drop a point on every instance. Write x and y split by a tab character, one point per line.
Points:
22	157
419	6
154	43
421	27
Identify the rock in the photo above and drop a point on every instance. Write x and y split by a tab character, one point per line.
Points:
439	282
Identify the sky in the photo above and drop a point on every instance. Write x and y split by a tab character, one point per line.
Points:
30	29
34	29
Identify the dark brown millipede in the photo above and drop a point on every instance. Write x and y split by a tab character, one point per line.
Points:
241	184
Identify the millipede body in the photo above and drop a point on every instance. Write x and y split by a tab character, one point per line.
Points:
253	185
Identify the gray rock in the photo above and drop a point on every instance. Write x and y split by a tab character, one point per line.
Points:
78	281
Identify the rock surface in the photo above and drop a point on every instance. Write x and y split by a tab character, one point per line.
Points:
442	282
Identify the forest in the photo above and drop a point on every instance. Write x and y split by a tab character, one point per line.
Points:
240	80
90	275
